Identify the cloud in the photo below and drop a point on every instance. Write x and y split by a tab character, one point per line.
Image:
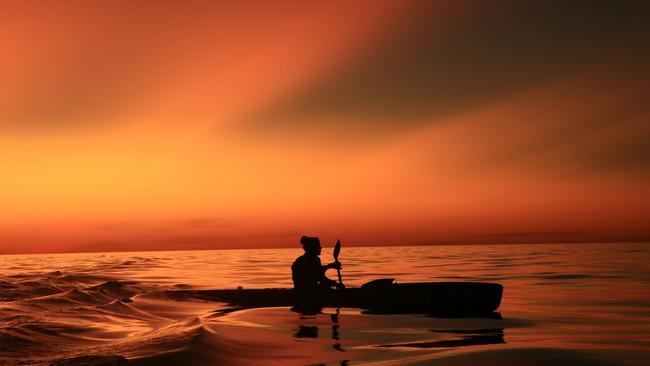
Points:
430	70
86	90
588	126
627	156
197	224
69	66
180	234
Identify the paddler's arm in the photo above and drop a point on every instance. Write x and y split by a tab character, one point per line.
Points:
333	265
329	283
324	280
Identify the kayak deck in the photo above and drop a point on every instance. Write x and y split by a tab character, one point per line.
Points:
444	298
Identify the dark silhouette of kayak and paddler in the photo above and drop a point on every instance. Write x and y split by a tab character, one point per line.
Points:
313	290
308	273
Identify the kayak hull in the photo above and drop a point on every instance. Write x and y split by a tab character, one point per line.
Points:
444	298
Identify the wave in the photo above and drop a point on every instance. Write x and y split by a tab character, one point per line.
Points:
62	317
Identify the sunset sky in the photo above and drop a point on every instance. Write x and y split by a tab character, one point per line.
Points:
157	125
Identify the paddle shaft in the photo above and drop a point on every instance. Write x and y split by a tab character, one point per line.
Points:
337	250
340	279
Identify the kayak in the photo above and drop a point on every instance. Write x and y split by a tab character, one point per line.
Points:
379	296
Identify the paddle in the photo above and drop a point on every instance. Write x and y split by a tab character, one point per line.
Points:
337	250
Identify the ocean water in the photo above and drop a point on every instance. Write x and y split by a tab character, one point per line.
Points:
579	304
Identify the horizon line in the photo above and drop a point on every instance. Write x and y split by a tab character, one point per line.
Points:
459	243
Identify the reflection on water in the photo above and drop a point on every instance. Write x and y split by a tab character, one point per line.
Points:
579	304
339	335
450	337
306	332
311	331
469	337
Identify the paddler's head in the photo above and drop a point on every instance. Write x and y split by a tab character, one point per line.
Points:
311	245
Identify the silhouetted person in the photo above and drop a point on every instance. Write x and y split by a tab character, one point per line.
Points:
307	271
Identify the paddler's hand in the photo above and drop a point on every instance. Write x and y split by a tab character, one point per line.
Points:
334	265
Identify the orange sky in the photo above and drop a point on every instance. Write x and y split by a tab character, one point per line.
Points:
143	125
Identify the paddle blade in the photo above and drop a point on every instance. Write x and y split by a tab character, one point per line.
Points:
337	249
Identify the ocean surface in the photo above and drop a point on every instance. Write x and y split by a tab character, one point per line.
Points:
578	304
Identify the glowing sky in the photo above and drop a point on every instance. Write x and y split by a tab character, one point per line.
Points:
160	125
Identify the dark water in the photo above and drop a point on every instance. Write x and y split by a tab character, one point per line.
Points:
563	304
